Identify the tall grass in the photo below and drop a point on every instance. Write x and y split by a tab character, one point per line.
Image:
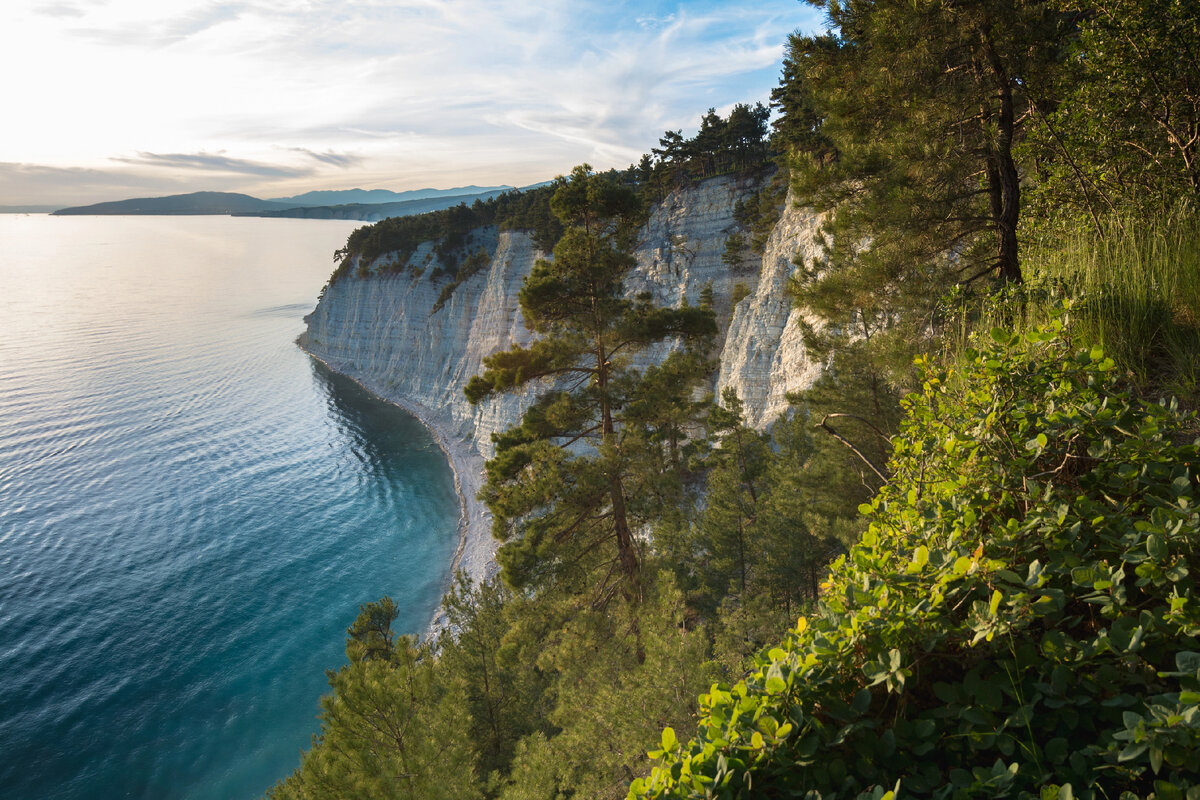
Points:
1134	289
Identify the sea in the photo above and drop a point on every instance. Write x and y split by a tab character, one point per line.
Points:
192	509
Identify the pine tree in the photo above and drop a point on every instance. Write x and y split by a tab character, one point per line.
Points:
725	532
907	119
565	484
389	728
484	649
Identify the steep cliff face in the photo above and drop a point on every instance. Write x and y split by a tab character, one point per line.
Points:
382	331
764	357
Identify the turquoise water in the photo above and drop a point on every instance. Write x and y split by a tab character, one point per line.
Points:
191	509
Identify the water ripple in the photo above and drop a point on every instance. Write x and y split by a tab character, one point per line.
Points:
191	510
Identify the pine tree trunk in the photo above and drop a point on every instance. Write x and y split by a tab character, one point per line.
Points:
1004	181
627	553
626	547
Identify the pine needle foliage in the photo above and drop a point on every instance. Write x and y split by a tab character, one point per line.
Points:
563	487
905	118
387	726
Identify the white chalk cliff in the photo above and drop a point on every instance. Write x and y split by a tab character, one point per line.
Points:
380	330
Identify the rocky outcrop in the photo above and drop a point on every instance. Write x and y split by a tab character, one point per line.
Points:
764	357
382	330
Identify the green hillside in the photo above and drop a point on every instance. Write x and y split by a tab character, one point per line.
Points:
962	565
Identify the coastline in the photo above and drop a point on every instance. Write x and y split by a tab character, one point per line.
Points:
475	553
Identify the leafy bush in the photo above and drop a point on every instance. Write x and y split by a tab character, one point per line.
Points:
1020	619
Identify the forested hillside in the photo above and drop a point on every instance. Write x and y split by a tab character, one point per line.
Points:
983	516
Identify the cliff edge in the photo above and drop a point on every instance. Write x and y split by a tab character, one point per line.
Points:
381	330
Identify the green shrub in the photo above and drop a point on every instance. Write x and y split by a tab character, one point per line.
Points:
444	296
740	292
473	264
760	211
734	255
1019	620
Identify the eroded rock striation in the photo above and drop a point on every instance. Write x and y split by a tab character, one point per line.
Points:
382	331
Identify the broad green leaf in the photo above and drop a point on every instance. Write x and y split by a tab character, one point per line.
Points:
1156	547
1133	750
1188	662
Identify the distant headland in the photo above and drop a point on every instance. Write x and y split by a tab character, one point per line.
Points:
364	204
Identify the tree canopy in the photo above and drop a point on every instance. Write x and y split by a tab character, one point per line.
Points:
1120	132
910	113
1010	609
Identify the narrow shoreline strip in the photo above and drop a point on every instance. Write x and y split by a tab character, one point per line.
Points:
475	552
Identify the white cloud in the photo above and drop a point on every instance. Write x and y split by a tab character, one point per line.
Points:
328	91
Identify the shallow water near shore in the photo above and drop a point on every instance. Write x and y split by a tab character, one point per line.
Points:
191	508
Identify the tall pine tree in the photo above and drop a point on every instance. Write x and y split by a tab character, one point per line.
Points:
904	119
568	489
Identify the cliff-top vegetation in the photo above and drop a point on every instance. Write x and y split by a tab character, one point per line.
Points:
738	144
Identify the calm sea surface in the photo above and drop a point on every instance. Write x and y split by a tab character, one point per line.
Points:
191	509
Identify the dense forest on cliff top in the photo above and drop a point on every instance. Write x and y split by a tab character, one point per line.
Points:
963	566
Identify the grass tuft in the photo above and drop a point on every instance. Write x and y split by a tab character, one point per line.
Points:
1134	290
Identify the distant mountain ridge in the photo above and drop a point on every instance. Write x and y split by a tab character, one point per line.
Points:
339	197
417	201
373	212
191	203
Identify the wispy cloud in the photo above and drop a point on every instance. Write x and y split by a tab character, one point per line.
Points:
653	23
214	162
63	10
43	183
343	160
143	32
11	170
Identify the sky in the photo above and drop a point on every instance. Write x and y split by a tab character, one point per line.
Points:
111	99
